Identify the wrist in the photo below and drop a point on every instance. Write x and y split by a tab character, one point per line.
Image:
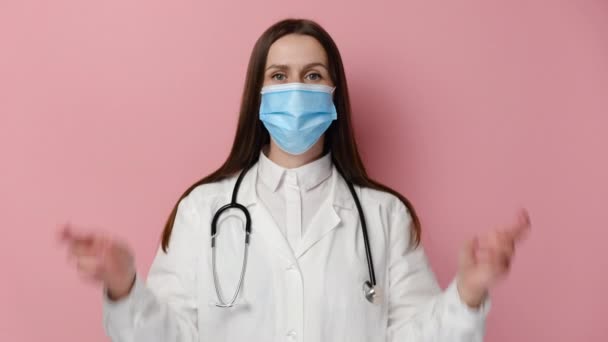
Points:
472	297
122	290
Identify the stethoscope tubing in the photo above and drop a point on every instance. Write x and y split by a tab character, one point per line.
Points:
369	286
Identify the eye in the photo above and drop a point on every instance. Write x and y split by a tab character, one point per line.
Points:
313	76
279	77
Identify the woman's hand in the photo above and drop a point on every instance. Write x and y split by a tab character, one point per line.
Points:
485	260
101	259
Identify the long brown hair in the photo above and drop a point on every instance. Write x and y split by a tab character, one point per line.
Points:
251	135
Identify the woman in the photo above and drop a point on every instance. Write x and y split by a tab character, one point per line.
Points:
293	161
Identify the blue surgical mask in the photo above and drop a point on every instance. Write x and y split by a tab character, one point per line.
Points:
297	114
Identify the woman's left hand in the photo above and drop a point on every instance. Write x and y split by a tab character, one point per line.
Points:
485	260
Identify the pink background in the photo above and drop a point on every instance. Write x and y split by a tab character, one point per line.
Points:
110	109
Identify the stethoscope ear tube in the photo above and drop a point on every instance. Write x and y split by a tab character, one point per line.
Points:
370	290
369	286
368	253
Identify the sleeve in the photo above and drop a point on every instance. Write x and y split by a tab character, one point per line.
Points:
418	309
164	309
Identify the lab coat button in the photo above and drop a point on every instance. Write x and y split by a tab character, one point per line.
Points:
290	267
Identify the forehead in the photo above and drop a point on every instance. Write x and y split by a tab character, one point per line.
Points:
296	49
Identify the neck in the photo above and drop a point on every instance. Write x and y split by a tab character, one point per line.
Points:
290	161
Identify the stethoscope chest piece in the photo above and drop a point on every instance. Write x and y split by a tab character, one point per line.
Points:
373	294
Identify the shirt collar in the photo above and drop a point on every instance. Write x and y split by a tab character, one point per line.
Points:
309	175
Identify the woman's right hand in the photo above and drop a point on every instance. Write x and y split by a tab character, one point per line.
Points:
101	259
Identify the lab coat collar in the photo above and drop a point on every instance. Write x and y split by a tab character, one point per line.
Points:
327	218
339	195
309	175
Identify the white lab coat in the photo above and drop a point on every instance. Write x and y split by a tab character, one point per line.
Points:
311	294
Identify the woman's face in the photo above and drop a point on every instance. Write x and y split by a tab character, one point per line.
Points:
297	58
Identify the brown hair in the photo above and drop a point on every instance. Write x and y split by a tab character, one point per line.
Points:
251	135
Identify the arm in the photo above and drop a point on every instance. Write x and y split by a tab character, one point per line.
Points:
164	309
418	309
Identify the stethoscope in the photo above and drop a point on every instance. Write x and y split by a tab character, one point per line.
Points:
370	291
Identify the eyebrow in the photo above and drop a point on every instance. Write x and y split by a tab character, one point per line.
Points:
307	66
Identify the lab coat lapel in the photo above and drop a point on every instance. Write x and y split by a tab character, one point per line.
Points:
264	229
328	218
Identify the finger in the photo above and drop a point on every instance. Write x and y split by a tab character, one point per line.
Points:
468	251
524	217
486	255
82	236
483	255
90	278
498	242
471	245
78	242
501	263
105	246
520	230
490	253
87	236
89	265
95	244
69	233
498	262
499	258
82	249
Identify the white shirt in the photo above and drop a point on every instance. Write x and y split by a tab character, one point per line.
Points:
309	292
294	196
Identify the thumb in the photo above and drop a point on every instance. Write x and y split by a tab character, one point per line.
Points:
522	228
